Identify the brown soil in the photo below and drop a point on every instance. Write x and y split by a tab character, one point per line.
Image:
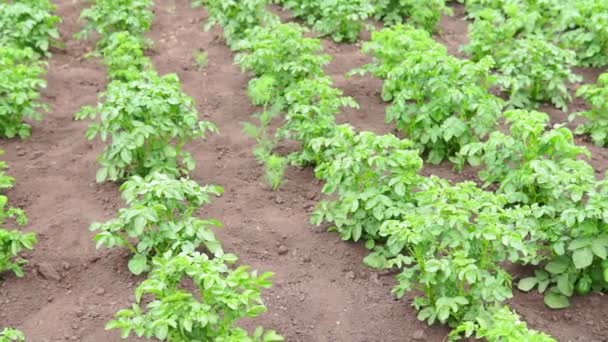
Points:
322	292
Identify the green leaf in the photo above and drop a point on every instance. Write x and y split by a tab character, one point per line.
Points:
527	284
101	175
138	264
556	267
556	301
582	258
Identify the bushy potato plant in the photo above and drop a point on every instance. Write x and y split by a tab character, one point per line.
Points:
160	219
29	25
221	297
20	84
596	118
148	121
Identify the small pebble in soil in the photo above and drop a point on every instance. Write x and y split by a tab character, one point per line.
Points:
47	271
418	335
282	250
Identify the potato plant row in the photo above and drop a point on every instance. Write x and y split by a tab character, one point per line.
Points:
536	168
447	240
343	20
27	30
146	120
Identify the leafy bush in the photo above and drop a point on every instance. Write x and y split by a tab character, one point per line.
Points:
20	83
312	105
29	24
372	176
282	55
423	14
237	16
11	335
221	297
449	248
586	31
533	70
124	57
159	219
442	103
500	324
109	16
149	120
340	19
566	215
532	164
596	124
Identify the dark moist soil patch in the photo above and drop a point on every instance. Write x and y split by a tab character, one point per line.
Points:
322	292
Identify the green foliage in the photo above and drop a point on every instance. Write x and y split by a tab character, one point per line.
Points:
220	298
289	80
533	70
449	248
11	335
441	102
201	59
29	24
567	212
312	105
274	164
159	218
532	164
124	57
282	55
499	324
596	124
587	31
372	176
424	14
12	242
20	83
578	25
110	16
149	120
237	17
340	19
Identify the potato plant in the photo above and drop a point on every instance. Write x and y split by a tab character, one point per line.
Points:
442	103
149	120
159	219
340	19
237	17
11	335
311	107
449	248
424	14
587	31
565	214
372	177
124	57
221	297
534	71
282	55
29	25
499	324
105	17
596	118
20	84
